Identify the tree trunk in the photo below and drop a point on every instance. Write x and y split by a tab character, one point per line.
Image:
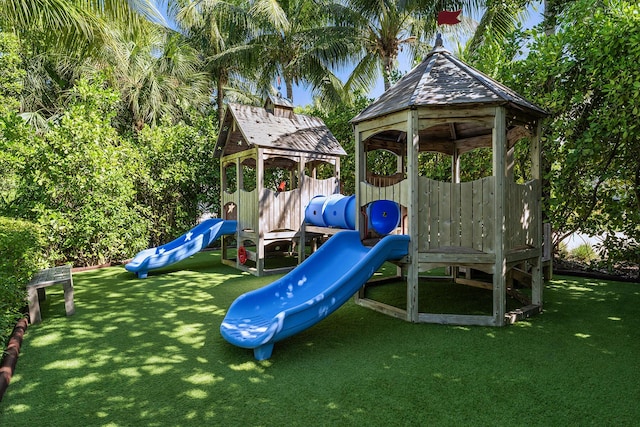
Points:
289	84
222	79
387	64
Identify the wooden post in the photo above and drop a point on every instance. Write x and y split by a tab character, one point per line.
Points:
223	188
260	230
359	178
240	226
413	142
499	172
301	185
456	204
336	173
537	282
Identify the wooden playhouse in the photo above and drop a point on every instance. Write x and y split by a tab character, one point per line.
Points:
490	225
272	163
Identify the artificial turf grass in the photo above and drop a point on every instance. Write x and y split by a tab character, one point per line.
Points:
149	352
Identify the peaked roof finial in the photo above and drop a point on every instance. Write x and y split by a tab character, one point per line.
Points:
439	40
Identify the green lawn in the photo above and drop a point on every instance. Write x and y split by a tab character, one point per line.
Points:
149	352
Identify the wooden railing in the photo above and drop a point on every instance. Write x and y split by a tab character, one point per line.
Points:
456	215
273	210
463	214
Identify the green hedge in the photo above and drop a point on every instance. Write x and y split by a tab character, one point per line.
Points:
21	249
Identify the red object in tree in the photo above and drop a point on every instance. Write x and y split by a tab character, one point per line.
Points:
282	186
449	18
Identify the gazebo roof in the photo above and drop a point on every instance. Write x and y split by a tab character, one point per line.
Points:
442	80
261	127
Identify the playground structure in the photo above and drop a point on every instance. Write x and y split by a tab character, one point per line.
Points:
491	225
301	157
487	232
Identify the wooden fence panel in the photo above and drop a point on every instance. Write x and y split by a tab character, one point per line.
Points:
458	215
522	214
248	209
285	210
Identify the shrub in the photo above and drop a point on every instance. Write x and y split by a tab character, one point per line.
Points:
77	183
21	249
562	251
179	178
584	253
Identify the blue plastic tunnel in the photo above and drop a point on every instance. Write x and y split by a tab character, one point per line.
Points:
340	211
384	216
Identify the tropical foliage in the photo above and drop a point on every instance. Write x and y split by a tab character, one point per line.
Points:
586	75
20	246
76	182
108	123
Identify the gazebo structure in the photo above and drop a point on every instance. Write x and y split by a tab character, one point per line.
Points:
490	225
272	162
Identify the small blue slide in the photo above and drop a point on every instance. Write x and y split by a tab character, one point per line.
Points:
309	293
195	240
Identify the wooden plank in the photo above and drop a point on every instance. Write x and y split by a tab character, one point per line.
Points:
457	319
512	222
396	192
521	276
248	209
393	121
455	257
547	246
484	267
434	214
423	214
280	235
455	214
474	283
481	115
499	202
529	215
522	313
413	146
240	155
477	215
466	214
307	156
468	144
387	309
488	215
445	200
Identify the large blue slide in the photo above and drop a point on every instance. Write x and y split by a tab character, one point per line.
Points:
309	293
195	240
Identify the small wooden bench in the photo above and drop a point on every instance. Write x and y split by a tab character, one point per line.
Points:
36	290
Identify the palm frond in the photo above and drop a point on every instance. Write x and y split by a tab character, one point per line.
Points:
270	11
364	75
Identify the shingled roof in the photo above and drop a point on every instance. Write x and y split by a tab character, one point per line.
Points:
266	128
443	80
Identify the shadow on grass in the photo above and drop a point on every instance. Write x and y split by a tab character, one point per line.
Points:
149	352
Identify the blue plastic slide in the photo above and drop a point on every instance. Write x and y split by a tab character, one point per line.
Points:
307	294
195	240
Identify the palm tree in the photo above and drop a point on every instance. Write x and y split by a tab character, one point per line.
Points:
63	38
73	23
157	75
388	27
220	31
498	20
299	41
